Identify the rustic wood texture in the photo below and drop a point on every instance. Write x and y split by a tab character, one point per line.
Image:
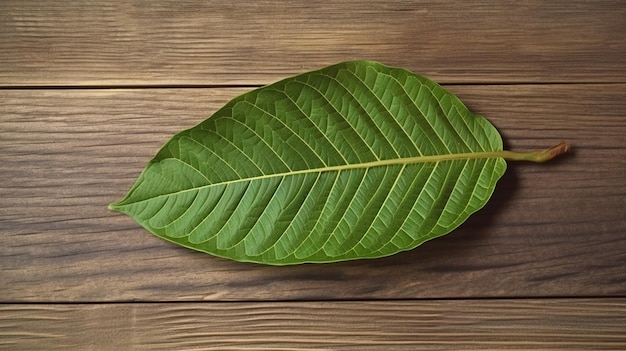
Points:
90	90
546	324
252	42
554	229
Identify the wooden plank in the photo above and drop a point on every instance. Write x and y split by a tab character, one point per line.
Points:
550	230
398	325
115	43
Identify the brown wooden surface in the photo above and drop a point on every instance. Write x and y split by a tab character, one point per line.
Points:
89	91
255	42
548	324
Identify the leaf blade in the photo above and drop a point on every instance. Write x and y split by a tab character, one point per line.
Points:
355	133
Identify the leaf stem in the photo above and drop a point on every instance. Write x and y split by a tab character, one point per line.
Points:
537	155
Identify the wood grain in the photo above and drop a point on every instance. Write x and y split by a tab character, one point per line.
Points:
90	90
117	43
555	229
547	324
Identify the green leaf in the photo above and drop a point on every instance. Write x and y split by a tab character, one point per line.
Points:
356	160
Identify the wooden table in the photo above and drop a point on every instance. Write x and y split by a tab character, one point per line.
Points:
90	90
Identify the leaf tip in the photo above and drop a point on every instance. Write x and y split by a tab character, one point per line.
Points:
114	206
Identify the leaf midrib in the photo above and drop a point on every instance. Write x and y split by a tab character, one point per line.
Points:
340	168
